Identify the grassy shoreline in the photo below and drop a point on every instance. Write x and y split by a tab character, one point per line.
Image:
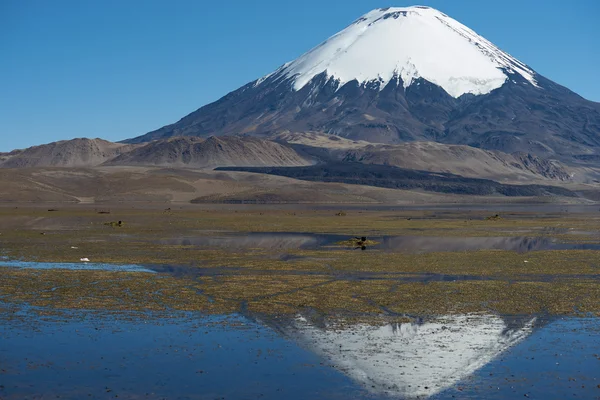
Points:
329	280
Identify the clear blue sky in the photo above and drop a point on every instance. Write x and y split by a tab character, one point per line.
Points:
116	69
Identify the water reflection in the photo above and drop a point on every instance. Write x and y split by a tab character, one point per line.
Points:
87	354
84	355
412	244
410	360
430	244
270	241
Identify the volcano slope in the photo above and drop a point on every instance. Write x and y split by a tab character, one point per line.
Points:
408	74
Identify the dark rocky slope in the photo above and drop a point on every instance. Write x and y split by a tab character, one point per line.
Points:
550	121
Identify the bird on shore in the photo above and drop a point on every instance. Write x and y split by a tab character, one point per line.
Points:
361	242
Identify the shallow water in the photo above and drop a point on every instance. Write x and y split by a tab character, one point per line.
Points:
72	266
194	356
412	244
559	361
194	272
183	357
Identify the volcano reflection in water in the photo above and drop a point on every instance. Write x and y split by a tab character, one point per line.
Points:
409	359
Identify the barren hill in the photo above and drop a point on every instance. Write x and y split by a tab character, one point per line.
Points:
433	157
81	152
212	152
460	160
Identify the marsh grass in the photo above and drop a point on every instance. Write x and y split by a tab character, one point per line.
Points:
330	281
272	294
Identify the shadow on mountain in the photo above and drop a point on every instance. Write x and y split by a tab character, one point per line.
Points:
399	178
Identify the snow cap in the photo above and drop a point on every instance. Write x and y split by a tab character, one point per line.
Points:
406	44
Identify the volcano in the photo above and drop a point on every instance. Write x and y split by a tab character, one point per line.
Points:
407	74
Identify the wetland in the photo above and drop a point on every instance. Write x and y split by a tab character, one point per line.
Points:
440	303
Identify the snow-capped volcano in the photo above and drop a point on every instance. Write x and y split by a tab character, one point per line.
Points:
408	43
402	75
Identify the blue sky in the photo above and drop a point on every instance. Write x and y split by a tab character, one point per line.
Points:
118	69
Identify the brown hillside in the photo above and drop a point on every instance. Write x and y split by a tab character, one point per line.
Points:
461	160
65	153
212	152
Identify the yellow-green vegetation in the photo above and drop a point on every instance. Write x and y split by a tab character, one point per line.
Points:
441	298
103	290
354	223
289	294
114	224
139	238
331	280
480	263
